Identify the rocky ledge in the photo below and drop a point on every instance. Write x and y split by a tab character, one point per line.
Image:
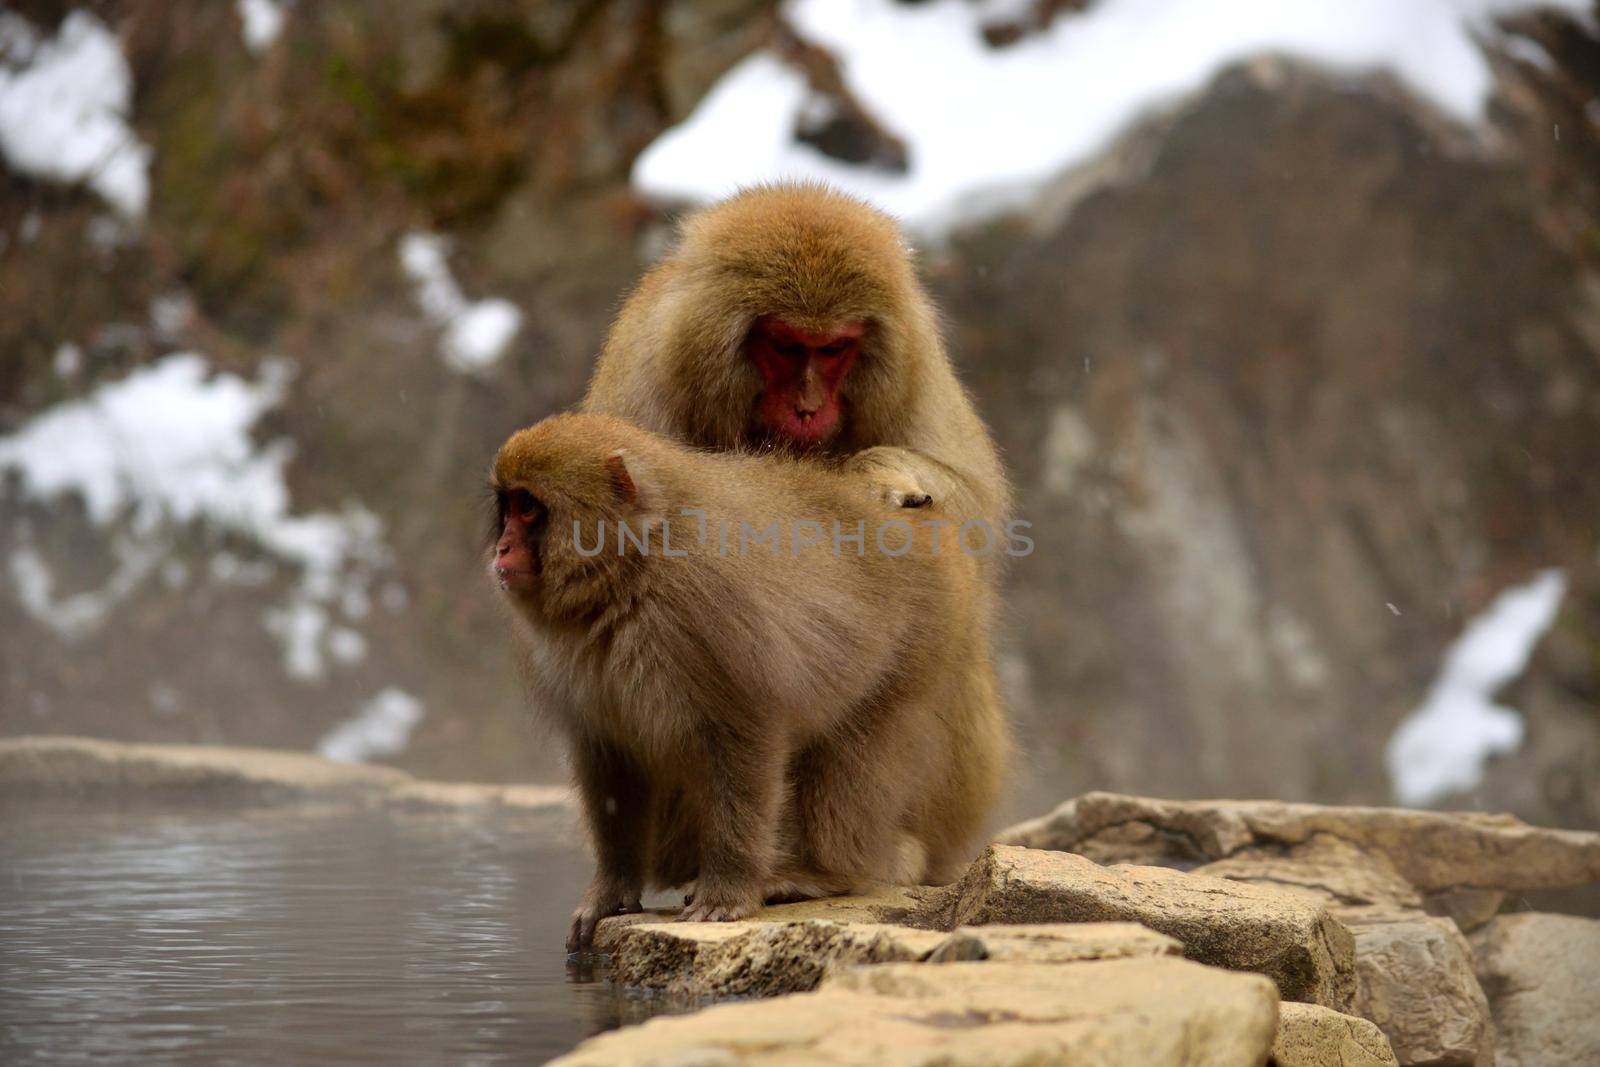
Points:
80	766
1115	931
1123	930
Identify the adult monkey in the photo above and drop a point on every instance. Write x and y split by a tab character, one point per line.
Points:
791	315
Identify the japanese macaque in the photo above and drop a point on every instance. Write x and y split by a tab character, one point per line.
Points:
791	315
773	684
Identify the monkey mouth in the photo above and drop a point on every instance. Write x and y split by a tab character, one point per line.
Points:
514	580
809	427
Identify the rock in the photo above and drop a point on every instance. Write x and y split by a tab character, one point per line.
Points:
765	958
896	904
1328	869
1416	971
57	766
1229	924
1310	1035
1417	983
1469	908
1054	943
1152	1012
434	795
1542	976
755	958
1433	851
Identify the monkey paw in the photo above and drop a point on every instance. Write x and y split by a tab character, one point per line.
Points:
903	492
715	907
597	904
915	500
891	476
790	890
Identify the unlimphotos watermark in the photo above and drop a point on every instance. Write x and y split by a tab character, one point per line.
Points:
892	537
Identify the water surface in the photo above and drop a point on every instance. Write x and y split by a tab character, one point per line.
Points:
288	936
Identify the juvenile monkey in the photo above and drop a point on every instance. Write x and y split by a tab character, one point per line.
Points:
753	701
791	315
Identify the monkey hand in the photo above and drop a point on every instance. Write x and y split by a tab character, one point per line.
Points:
606	896
889	477
902	496
720	904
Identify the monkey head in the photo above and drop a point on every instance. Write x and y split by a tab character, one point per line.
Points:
554	482
789	315
802	377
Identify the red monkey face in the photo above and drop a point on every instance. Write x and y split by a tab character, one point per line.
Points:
801	371
516	560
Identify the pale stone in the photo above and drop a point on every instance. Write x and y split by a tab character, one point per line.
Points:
1469	908
1542	976
1054	943
1433	851
1229	924
1325	867
1158	1012
1417	984
1310	1035
892	904
765	958
53	766
754	958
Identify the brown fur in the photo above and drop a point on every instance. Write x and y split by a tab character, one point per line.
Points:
674	361
766	724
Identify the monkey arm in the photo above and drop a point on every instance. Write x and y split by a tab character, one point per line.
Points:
900	474
742	790
893	476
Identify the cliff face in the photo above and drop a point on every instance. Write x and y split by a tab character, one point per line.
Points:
1293	386
1318	390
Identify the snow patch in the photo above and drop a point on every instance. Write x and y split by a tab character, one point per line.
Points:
381	728
75	615
985	126
68	360
168	445
64	107
1068	447
347	645
475	333
1441	747
260	23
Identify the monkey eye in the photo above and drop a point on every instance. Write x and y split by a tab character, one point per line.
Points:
789	349
524	505
835	348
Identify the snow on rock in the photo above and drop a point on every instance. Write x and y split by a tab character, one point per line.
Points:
168	445
475	333
260	23
1441	747
381	728
986	125
64	107
77	614
166	442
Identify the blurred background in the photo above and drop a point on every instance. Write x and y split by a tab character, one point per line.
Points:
1286	316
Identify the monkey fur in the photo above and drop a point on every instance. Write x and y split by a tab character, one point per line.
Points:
678	359
765	719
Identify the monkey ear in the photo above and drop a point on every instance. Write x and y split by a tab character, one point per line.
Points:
622	478
630	479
